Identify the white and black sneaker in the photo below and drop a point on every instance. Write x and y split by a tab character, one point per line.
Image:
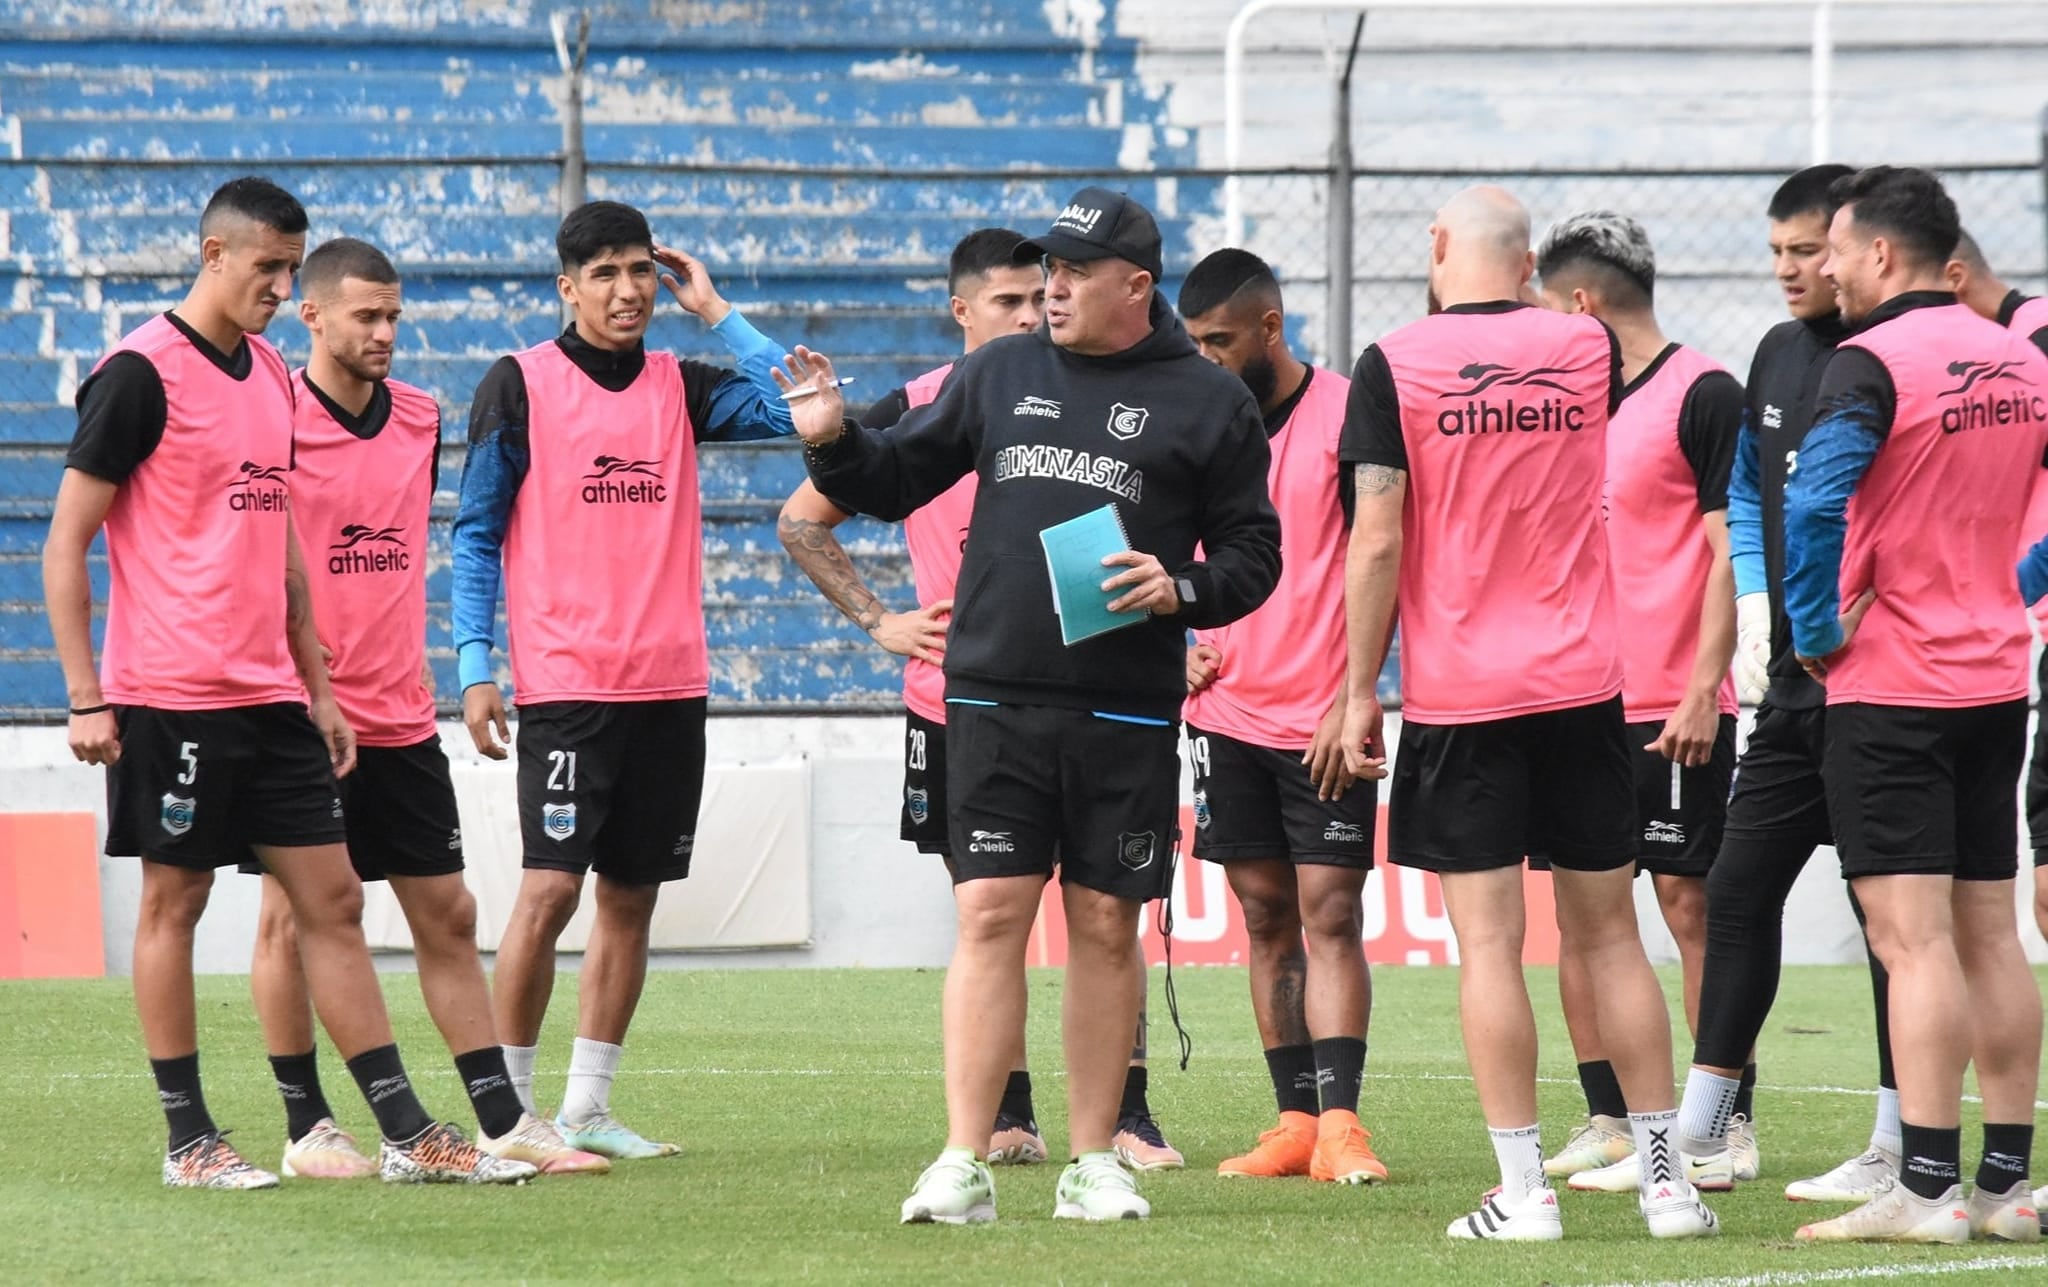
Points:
1534	1218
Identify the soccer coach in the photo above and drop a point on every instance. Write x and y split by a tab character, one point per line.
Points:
1065	755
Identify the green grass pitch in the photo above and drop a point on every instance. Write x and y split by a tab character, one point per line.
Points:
807	1102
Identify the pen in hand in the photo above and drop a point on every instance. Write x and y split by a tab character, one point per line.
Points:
805	391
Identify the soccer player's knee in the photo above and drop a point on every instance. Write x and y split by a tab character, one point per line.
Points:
276	930
175	903
551	903
1271	917
1335	916
1685	908
452	926
343	908
985	919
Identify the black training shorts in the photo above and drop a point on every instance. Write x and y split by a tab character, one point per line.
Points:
196	789
399	806
1255	802
1477	797
1680	811
1032	788
611	787
924	784
1778	794
1926	790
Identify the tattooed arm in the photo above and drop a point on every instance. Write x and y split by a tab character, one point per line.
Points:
1372	574
805	528
311	658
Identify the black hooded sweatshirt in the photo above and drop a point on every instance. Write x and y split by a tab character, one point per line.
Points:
1172	439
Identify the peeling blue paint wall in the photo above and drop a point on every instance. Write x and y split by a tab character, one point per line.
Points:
431	128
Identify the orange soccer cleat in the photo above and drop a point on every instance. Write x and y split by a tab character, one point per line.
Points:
1284	1150
1344	1151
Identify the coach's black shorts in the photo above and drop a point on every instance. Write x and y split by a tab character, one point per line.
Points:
611	787
197	788
1256	802
924	784
1926	791
1680	811
1778	794
399	805
1032	788
1476	797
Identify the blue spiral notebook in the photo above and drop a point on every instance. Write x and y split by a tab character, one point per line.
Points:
1074	551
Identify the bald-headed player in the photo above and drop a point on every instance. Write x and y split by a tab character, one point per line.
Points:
367	458
211	707
1274	802
1513	738
1669	445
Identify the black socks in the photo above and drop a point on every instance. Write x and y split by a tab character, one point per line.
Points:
384	1083
177	1091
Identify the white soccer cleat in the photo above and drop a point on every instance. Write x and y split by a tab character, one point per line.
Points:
1897	1214
1711	1174
955	1189
1096	1187
1857	1180
1675	1211
1599	1141
1534	1219
1745	1159
439	1155
325	1153
535	1141
2010	1216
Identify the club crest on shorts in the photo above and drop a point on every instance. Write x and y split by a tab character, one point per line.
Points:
1201	810
1126	423
919	802
558	820
177	814
1135	849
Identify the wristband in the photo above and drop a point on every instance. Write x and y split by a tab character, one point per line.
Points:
102	708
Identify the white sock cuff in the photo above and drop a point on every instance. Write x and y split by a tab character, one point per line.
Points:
1884	1133
1704	1112
597	1058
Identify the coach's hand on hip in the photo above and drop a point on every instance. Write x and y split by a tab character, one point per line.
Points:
483	711
819	417
1147	585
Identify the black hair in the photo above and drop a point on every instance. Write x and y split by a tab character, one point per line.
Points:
1224	276
256	199
333	262
1612	247
597	226
1970	252
1809	192
980	253
1908	206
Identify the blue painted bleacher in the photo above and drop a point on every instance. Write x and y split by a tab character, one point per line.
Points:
436	136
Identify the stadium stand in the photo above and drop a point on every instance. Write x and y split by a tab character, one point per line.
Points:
432	130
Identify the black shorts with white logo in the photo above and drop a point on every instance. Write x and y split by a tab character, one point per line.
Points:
1032	788
1477	797
611	787
399	805
1255	802
1680	811
924	784
196	789
1926	791
1778	793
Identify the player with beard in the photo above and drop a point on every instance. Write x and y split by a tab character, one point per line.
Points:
1274	802
368	452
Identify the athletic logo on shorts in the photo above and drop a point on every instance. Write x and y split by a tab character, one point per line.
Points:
1664	833
919	802
337	806
177	814
1126	423
990	842
685	846
1201	810
455	839
1349	833
1134	849
558	820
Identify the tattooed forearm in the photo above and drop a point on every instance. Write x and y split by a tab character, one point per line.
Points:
817	550
1285	998
1372	480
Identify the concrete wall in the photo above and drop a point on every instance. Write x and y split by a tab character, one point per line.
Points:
875	901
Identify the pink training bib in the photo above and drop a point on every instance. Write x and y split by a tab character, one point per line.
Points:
196	537
1933	524
362	505
936	533
1659	556
1506	603
604	594
1283	664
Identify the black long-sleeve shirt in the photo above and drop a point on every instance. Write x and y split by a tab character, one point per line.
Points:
1174	441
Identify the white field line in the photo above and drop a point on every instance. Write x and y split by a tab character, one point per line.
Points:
1796	1277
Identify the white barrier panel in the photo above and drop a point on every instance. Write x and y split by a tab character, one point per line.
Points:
750	876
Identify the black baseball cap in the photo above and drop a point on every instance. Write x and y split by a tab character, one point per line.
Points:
1098	224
